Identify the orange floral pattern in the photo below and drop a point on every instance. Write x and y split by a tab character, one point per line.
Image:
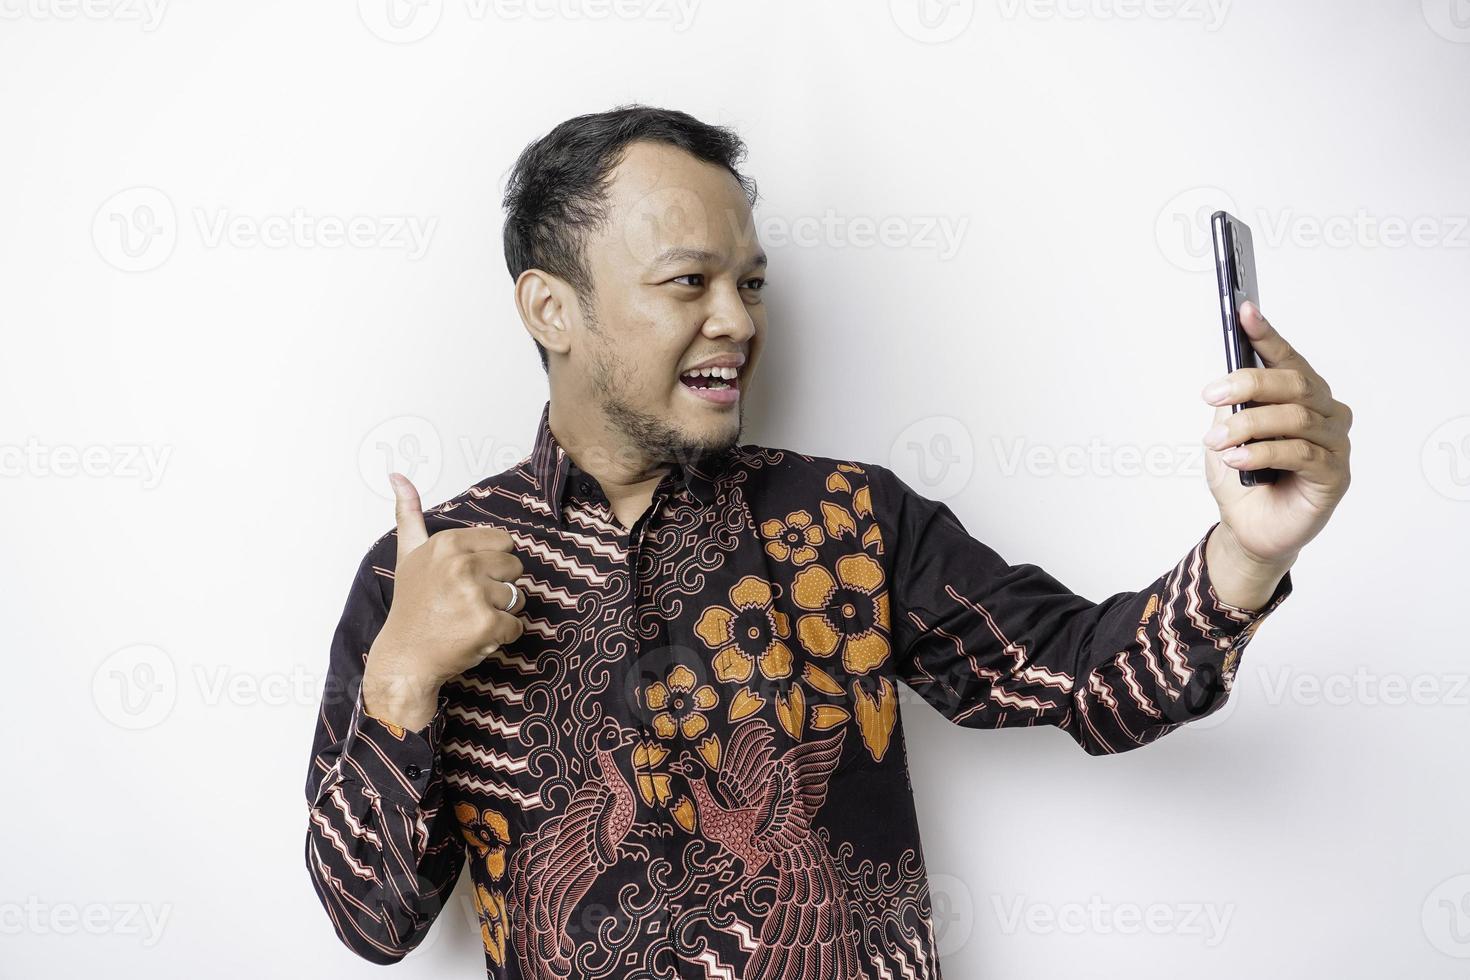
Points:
488	834
847	613
679	704
795	539
753	633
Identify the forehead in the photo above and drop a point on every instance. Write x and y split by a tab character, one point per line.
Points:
660	197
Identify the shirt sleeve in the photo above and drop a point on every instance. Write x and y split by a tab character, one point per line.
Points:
995	645
383	851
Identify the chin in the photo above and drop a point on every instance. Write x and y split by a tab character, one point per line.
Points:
716	435
677	428
712	430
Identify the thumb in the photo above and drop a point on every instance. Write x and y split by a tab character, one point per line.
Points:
410	514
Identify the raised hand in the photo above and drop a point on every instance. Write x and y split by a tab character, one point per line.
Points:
1268	524
451	595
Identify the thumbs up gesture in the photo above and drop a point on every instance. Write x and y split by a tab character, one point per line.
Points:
452	607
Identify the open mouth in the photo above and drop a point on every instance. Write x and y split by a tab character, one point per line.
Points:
712	379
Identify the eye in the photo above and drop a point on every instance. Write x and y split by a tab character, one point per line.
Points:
756	283
692	275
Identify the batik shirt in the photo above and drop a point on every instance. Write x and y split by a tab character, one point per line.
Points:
692	763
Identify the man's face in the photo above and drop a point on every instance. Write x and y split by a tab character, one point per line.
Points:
677	273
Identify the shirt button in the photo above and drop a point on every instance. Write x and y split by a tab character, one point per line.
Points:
413	772
1216	633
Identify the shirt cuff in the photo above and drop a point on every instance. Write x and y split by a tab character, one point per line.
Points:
390	761
1229	626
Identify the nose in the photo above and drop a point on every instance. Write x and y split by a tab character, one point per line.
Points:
730	317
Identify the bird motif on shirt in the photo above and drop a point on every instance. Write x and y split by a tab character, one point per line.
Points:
553	872
766	819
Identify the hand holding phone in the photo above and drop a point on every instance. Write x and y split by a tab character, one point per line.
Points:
1235	270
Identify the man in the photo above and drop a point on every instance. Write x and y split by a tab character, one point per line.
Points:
646	679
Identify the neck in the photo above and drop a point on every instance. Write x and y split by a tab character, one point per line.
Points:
624	471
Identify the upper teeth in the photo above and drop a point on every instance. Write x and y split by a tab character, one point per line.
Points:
727	373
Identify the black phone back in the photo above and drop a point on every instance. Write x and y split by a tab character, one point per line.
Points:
1235	272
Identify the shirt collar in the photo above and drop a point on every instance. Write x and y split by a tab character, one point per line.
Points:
554	471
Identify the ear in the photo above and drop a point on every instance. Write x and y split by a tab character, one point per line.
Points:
547	306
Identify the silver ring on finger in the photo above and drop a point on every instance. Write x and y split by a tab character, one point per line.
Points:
515	596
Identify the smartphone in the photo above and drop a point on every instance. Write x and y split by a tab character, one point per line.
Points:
1235	270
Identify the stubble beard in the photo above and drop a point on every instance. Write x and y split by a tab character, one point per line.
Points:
649	433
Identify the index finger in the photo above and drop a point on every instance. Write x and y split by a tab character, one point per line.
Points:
485	537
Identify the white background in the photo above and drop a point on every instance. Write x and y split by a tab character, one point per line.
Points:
167	622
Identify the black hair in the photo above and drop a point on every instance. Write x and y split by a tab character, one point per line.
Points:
557	189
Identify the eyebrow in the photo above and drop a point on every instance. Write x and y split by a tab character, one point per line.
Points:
669	256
